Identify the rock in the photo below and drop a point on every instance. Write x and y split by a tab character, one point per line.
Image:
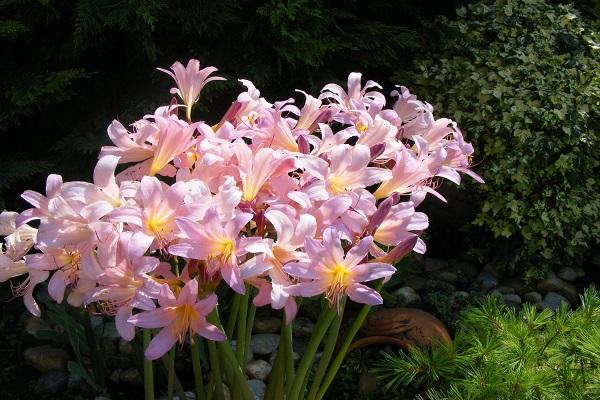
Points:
96	322
107	346
434	285
532	297
558	285
516	284
446	276
264	343
512	299
101	398
46	358
51	384
267	325
249	354
460	295
77	384
567	274
416	282
258	369
553	301
580	272
226	393
433	264
487	281
505	290
34	324
407	295
595	260
299	345
114	377
125	347
496	293
189	395
131	376
257	388
295	356
465	269
303	327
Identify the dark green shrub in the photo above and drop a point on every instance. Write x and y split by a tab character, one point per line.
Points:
501	354
522	79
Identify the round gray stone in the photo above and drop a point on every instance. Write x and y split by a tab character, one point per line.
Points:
46	358
258	388
51	384
303	327
487	281
558	285
258	369
506	290
568	274
264	343
532	297
553	301
512	299
267	325
407	295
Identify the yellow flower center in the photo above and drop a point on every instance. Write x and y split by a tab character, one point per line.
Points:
361	127
185	315
339	278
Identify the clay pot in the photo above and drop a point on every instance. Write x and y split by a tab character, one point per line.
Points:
401	327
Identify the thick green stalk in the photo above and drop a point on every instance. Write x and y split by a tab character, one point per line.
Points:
330	342
295	392
240	345
148	373
233	314
170	373
215	366
249	326
197	367
229	355
337	361
288	349
275	378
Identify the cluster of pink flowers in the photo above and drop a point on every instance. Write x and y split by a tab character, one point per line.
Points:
295	202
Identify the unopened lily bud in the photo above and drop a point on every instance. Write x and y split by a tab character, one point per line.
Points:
377	150
173	109
398	252
379	215
303	145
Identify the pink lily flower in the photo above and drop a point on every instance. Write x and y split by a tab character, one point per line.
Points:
347	170
216	242
180	317
190	81
357	97
126	283
334	274
256	168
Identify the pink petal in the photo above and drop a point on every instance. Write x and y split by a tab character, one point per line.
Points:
57	286
160	344
153	319
358	252
124	327
371	271
364	294
208	331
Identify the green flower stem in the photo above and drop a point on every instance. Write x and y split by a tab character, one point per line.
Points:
170	373
229	356
233	313
330	342
240	345
197	367
249	326
148	373
275	378
176	382
295	392
288	351
215	367
337	361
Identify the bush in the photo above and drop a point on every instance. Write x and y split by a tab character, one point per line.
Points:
523	80
501	354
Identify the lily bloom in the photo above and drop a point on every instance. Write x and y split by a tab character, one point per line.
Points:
190	81
217	243
179	317
334	274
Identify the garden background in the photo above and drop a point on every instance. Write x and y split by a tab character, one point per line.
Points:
522	79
